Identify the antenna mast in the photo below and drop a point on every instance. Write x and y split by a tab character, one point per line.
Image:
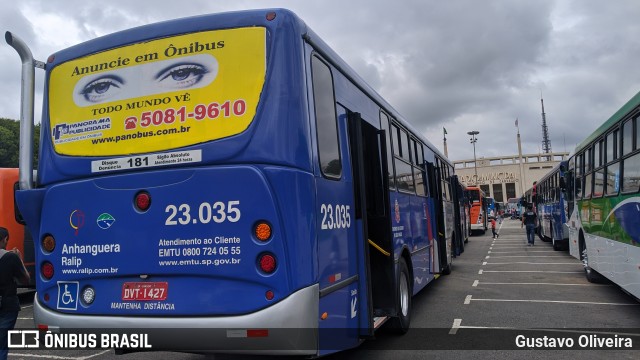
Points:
546	143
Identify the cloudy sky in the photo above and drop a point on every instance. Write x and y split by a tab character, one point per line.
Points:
459	64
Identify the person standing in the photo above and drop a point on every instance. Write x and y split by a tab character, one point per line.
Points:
529	219
11	268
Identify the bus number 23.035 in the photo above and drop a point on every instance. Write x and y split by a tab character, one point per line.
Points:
335	217
219	212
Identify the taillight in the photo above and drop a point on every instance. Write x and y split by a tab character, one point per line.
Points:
269	295
47	270
48	243
142	200
262	231
267	263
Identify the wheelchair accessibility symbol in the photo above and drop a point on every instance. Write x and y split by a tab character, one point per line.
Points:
68	295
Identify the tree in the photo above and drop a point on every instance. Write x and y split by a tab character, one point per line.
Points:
10	143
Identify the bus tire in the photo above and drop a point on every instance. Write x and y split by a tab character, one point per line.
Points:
447	270
400	323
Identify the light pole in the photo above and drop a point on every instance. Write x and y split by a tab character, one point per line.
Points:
473	141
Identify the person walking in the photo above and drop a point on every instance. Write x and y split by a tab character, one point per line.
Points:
493	228
11	267
529	219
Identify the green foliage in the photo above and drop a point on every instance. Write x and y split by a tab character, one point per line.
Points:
10	143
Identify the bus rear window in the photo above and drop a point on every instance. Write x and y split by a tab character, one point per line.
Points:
158	95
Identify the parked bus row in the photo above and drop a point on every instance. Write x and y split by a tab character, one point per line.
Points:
591	202
252	181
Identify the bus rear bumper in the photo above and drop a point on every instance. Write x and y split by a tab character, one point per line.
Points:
289	327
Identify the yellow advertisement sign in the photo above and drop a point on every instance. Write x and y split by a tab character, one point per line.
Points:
158	95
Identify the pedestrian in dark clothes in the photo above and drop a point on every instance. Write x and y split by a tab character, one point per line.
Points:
11	268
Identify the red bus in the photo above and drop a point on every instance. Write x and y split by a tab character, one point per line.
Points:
478	209
19	236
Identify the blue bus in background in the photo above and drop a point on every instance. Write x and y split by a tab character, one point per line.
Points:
514	207
491	207
552	207
229	172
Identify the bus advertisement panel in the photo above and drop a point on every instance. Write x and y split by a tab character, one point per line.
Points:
157	95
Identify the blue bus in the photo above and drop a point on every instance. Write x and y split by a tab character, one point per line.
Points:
514	207
491	207
552	207
228	172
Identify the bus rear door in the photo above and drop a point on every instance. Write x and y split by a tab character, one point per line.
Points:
371	190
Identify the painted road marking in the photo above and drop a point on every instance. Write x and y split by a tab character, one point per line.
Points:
532	271
528	256
551	284
58	357
532	263
456	325
520	252
468	300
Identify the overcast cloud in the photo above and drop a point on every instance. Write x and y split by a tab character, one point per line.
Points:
459	64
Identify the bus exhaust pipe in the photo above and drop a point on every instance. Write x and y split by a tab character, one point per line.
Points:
26	109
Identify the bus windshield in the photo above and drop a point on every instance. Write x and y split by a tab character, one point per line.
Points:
158	95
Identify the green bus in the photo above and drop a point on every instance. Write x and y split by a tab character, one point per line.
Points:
603	200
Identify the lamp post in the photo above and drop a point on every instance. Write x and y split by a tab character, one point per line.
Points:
473	141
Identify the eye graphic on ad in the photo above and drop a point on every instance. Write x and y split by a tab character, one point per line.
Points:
181	76
102	88
189	72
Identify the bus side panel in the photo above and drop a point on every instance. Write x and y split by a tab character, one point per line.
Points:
627	269
420	250
295	205
339	311
339	330
339	257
